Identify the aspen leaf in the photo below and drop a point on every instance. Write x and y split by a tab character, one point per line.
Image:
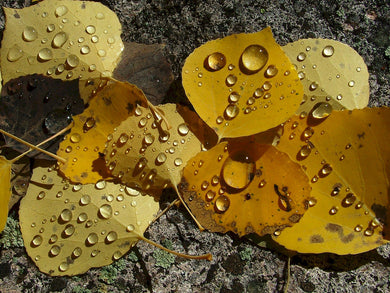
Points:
81	147
143	153
5	191
68	229
346	155
244	187
62	39
35	107
234	81
331	72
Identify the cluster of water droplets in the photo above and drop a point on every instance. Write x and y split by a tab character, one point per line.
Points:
83	213
48	41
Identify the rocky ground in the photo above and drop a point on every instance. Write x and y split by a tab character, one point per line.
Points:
237	265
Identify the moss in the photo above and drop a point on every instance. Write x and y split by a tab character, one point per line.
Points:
11	236
246	254
80	289
163	258
108	274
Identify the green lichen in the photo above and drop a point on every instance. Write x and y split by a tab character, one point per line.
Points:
80	289
387	52
246	254
163	258
108	274
132	256
11	236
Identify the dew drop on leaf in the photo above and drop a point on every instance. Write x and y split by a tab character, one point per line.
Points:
254	58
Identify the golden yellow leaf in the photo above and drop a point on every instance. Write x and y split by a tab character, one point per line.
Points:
346	155
242	84
81	148
244	187
143	153
68	229
330	72
62	39
5	191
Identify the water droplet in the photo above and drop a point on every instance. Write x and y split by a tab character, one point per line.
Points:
55	250
222	204
314	179
254	58
101	184
69	230
90	29
85	199
75	138
328	51
72	60
301	56
231	111
358	228
204	185
30	34
41	195
351	83
111	166
85	50
66	215
215	180
333	210
142	122
305	151
111	237
14	53
178	162
238	170
94	39
321	110
313	86
335	191
326	170
45	54
101	53
130	228
82	218
271	71
267	86
105	211
219	120
231	80
369	231
348	200
183	129
148	139
92	239
61	11
36	241
63	267
161	158
117	255
210	195
215	61
59	39
348	146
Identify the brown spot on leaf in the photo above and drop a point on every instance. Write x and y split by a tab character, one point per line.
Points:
316	238
295	218
334	228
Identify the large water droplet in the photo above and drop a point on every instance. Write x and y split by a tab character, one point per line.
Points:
14	53
59	40
111	237
238	170
82	218
101	184
63	267
30	34
66	215
222	204
75	138
105	211
92	239
183	129
234	97
178	162
325	170
215	61
85	199
61	10
321	110
69	230
254	58
56	120
45	54
304	152
161	158
72	60
231	80
37	240
55	250
148	139
328	51
90	29
231	111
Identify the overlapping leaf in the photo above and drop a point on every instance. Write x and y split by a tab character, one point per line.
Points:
62	39
346	157
331	72
5	190
235	81
68	229
83	147
143	153
245	187
34	107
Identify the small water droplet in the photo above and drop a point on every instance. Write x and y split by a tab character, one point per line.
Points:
258	93
183	129
161	158
222	204
348	146
61	11
55	250
351	83
178	162
215	180
105	211
369	231
301	56
111	236
328	51
254	58
82	218
90	29
215	61
231	80
14	53
301	75
267	86
85	199
348	200
219	120
321	110
304	152
66	215
36	241
41	195
101	184
92	239
326	170
333	211
45	54
313	86
271	71
75	138
358	228
101	53
262	183
210	195
148	139
314	179
63	267
130	228
69	230
29	34
204	185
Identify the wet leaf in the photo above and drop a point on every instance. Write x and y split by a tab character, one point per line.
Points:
62	39
244	187
235	81
68	229
146	67
20	179
143	153
5	191
83	146
347	158
34	107
330	72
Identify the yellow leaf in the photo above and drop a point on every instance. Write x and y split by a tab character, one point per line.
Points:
244	187
68	229
5	192
81	148
242	84
62	39
330	72
347	157
142	153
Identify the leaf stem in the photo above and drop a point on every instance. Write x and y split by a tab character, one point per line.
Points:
157	111
176	201
207	256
